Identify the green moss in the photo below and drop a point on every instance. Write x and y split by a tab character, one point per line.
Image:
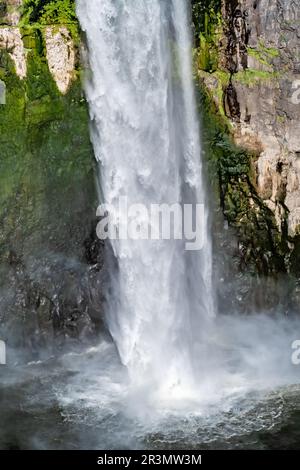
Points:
268	51
252	77
258	56
46	159
281	119
264	55
208	54
222	80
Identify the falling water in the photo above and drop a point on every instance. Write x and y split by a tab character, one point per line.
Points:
145	133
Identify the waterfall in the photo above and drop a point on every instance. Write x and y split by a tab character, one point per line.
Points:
145	133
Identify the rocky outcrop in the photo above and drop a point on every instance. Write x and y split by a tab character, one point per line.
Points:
60	55
11	40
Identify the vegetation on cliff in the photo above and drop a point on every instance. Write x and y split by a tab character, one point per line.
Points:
49	12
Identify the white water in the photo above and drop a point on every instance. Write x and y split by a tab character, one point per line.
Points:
145	133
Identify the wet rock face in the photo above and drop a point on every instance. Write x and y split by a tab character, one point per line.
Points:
262	54
53	302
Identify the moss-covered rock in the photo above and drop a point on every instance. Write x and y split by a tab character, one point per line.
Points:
47	203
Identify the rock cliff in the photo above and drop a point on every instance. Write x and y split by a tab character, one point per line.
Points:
247	56
254	79
262	55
